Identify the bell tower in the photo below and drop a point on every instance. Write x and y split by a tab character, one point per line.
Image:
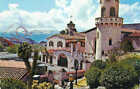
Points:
108	27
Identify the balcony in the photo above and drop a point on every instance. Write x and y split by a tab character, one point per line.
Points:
109	20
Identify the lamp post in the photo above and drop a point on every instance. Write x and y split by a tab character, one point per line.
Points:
71	80
76	65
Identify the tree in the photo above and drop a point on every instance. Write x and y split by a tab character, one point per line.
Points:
62	32
12	84
1	47
93	76
24	51
113	54
99	64
119	77
94	73
133	61
126	46
12	49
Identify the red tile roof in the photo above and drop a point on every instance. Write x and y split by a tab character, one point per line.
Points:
6	40
135	35
62	49
129	30
76	36
14	73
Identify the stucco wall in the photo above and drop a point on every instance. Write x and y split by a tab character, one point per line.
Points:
89	41
110	32
55	40
108	4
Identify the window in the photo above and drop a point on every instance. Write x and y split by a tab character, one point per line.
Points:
103	12
100	1
95	46
59	44
51	59
74	48
67	45
112	11
110	42
82	44
51	43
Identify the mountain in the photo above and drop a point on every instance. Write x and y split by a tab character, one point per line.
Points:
33	36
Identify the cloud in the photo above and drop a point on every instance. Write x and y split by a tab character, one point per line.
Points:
130	12
46	21
13	6
84	13
61	3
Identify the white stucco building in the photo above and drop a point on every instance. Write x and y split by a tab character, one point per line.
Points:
66	48
70	46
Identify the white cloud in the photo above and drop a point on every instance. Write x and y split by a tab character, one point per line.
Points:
13	6
84	13
61	3
130	13
46	21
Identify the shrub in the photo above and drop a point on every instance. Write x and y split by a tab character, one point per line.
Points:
126	46
12	84
93	76
12	49
99	64
119	77
133	61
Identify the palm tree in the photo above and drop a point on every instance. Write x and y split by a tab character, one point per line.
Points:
24	51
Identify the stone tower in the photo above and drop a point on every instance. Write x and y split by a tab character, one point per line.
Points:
71	28
108	27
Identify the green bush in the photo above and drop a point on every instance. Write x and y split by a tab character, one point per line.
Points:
1	47
133	61
119	76
99	64
93	76
12	49
12	84
126	46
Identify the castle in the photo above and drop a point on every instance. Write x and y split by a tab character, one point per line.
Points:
70	46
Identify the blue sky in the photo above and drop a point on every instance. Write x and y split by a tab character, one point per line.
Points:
53	15
41	5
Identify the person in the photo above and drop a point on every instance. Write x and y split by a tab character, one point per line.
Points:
71	85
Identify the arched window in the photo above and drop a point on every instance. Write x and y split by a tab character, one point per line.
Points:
59	44
62	60
112	11
51	43
103	11
110	42
82	44
100	1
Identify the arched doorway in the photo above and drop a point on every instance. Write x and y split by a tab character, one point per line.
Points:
62	60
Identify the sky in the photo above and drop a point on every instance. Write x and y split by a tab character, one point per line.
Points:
53	15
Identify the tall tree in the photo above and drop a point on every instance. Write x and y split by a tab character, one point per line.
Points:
24	51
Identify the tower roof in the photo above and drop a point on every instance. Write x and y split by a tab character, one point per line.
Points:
71	23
